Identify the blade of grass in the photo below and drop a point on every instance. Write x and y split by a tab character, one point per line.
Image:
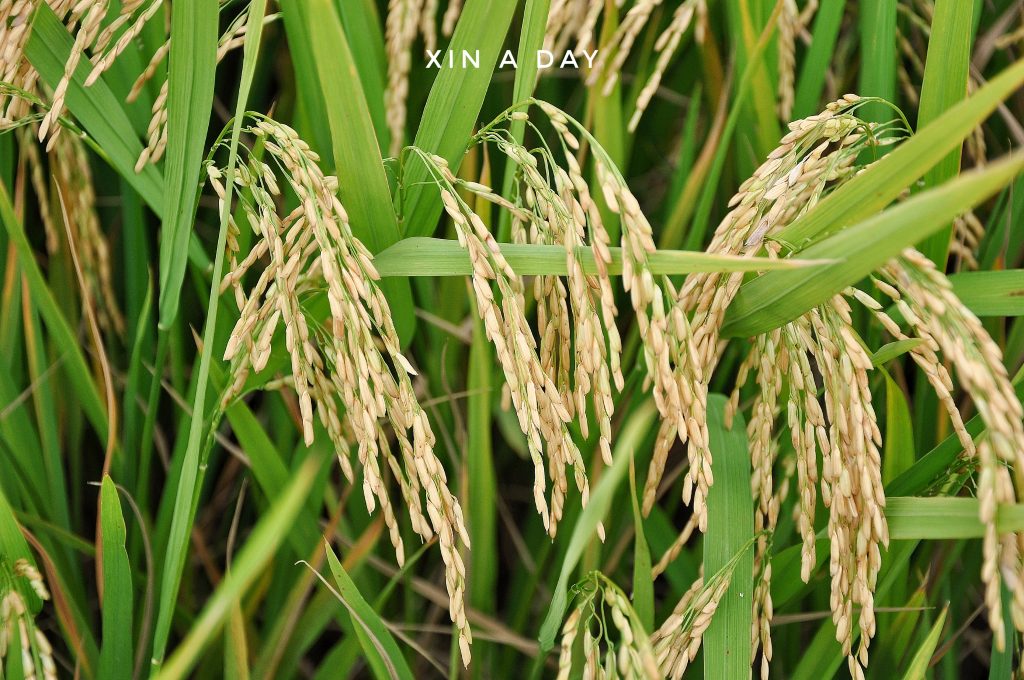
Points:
452	108
633	433
643	587
373	633
899	432
878	56
730	528
443	257
189	480
116	656
991	293
74	363
362	183
192	68
946	71
918	668
778	297
362	29
944	517
261	546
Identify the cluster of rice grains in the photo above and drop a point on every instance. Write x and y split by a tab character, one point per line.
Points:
352	357
821	352
621	649
17	621
103	30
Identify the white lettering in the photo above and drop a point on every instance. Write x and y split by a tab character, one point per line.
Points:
569	59
433	55
589	56
508	60
471	58
545	59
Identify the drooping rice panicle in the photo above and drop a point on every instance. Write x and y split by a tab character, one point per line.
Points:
925	300
541	409
353	358
619	649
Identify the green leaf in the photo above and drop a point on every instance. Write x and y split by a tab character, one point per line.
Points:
362	183
946	72
944	517
258	551
878	56
74	362
643	586
453	107
192	69
779	297
897	348
730	530
637	427
373	634
443	257
192	470
816	64
922	657
116	610
481	487
991	293
899	432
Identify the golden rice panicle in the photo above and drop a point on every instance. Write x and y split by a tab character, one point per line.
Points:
538	403
354	359
68	170
400	33
614	54
621	647
18	622
925	300
679	638
666	47
570	20
851	479
580	345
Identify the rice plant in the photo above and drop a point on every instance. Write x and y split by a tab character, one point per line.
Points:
501	338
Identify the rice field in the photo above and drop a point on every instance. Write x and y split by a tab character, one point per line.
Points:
511	339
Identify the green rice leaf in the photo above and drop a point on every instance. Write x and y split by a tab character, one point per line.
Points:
453	107
96	108
257	552
991	293
876	187
730	531
443	257
643	587
918	668
74	362
946	72
192	69
362	183
374	635
116	651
